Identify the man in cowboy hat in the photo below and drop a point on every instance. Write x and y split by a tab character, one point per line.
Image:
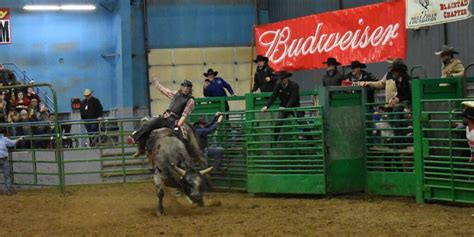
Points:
357	75
396	83
452	67
468	114
203	129
215	86
332	77
264	78
181	106
288	93
91	109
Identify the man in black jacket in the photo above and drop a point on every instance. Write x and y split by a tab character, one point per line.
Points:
264	78
91	108
358	75
332	77
288	93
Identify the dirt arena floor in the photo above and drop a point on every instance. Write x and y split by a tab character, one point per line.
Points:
129	210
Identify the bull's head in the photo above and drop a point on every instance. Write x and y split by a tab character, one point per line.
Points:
192	182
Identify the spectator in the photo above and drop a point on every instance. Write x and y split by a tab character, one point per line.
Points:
7	77
203	129
264	78
396	83
452	67
91	109
13	115
4	164
33	110
22	102
25	129
358	75
181	106
214	86
31	94
288	93
3	108
332	77
468	114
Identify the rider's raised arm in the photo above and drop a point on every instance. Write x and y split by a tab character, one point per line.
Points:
187	111
165	91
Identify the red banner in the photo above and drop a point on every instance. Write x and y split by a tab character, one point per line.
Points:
370	33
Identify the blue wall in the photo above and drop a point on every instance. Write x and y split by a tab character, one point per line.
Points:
174	24
41	39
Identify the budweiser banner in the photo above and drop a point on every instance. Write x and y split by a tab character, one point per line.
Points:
370	33
432	12
5	27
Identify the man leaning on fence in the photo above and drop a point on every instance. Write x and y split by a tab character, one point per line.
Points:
203	129
288	93
4	144
452	67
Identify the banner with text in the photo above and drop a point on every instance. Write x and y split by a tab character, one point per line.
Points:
422	13
5	26
368	34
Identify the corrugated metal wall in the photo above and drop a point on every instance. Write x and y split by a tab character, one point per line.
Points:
200	23
421	43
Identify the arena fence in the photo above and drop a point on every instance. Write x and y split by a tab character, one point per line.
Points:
285	155
339	145
441	149
389	149
230	135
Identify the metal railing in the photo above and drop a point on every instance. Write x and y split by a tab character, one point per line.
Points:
21	75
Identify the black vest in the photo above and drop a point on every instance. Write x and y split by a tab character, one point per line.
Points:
178	103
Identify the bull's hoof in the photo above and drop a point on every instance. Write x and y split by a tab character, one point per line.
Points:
160	213
200	203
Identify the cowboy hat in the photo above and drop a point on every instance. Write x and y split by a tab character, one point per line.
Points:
446	49
260	58
200	121
210	72
468	111
357	64
187	83
398	66
332	61
392	60
87	92
283	74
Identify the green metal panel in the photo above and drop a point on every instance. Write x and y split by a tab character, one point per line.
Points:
284	155
230	135
443	170
389	150
344	128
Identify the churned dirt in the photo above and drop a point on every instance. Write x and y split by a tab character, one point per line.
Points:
129	210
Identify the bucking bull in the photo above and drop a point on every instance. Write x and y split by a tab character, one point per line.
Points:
176	165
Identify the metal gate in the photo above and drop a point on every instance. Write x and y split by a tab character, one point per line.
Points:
285	155
230	135
443	170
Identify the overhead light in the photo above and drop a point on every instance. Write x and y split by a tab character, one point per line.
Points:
41	7
77	7
83	7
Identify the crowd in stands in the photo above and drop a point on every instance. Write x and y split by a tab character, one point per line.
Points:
20	107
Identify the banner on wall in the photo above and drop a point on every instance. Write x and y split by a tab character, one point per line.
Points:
422	13
5	26
368	34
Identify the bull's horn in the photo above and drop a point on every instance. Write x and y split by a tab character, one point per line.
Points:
206	171
179	170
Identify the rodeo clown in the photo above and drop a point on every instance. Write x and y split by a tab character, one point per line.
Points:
181	106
